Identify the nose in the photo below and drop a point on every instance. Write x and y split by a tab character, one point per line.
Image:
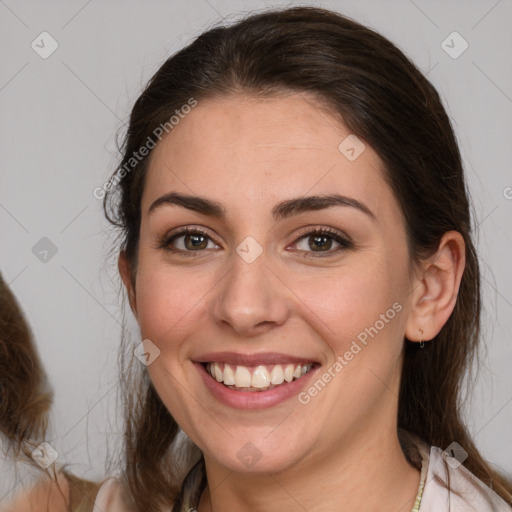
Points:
251	299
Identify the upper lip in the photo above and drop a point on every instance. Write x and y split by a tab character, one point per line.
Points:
264	358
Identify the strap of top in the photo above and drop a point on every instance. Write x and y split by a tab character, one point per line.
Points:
424	466
82	493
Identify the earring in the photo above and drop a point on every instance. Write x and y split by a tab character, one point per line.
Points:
422	341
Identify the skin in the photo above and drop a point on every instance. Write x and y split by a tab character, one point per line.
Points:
45	495
341	449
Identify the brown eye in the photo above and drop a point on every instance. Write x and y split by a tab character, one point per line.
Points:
187	242
321	241
195	241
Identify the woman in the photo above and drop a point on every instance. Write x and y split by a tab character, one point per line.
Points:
297	251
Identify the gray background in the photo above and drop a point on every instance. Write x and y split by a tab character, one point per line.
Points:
60	116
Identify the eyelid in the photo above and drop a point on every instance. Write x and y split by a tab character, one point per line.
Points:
302	232
345	240
165	240
326	229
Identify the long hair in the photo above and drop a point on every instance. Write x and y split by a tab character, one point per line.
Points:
382	97
25	394
25	401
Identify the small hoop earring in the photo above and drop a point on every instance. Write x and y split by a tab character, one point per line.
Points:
422	342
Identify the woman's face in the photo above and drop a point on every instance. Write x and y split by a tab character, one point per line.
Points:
259	288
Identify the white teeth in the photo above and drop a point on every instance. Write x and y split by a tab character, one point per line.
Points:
288	373
218	373
261	378
277	375
229	375
242	377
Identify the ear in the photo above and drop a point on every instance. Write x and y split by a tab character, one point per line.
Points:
126	276
435	290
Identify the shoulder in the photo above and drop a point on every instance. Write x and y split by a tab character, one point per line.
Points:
466	492
109	497
43	494
16	477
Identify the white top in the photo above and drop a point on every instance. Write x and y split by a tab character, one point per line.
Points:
475	495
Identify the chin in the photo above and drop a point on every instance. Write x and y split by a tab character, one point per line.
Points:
252	457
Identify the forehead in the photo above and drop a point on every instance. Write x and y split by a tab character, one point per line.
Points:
240	148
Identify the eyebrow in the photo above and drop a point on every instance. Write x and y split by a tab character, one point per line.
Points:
280	211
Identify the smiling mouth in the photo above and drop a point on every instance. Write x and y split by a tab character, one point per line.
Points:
256	378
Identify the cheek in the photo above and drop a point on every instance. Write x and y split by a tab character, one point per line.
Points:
168	299
347	302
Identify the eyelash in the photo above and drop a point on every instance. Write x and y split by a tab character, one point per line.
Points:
345	243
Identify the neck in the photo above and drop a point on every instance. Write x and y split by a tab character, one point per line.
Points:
366	470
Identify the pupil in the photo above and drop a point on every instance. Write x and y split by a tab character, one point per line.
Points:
195	240
317	239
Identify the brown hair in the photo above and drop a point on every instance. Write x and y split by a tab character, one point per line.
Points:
383	98
25	400
25	394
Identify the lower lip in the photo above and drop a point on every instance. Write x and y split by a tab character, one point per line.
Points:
253	399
